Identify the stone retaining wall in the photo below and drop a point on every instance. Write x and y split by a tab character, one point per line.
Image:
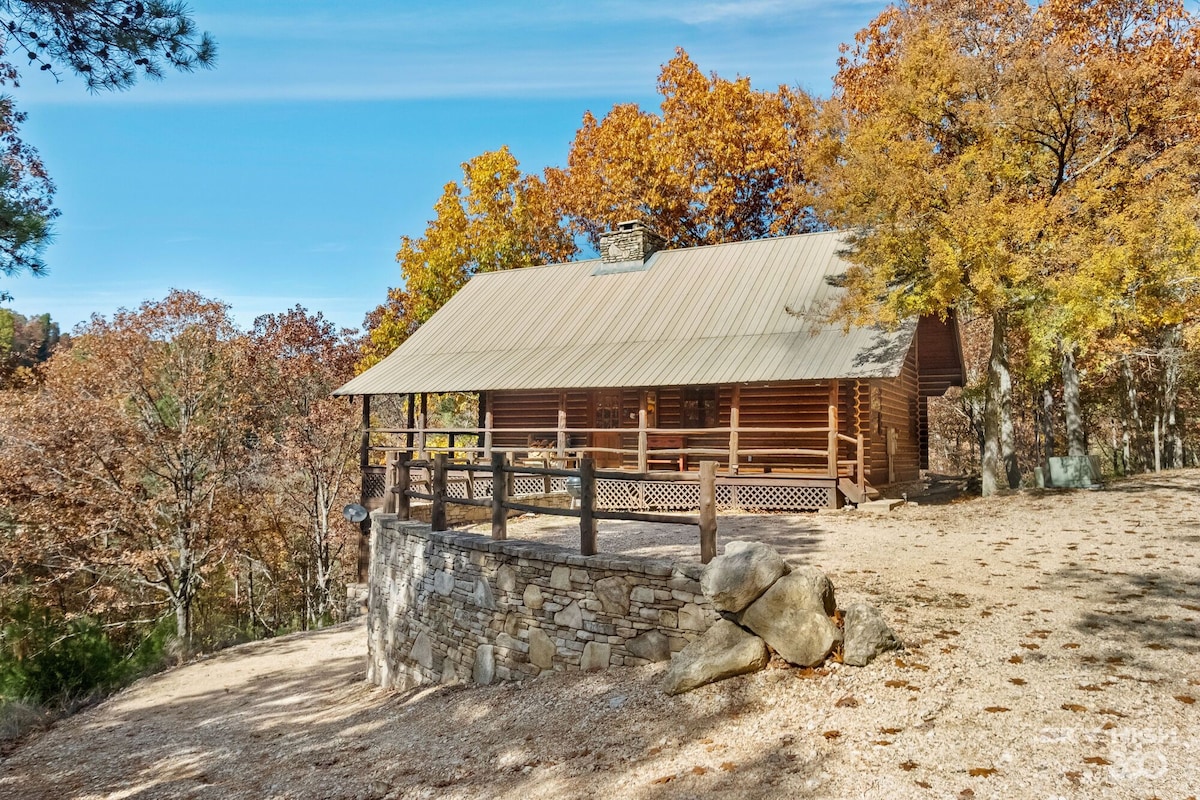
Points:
448	607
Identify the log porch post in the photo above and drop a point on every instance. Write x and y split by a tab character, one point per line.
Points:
499	513
411	415
422	423
487	425
708	511
561	443
643	439
364	461
833	428
735	417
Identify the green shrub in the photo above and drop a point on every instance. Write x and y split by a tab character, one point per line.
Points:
47	659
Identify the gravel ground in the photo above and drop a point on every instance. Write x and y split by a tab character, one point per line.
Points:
1051	652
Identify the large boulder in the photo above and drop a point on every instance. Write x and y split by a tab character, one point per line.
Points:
724	651
736	579
867	635
791	618
810	587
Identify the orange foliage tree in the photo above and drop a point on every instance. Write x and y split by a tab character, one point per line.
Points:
163	451
720	162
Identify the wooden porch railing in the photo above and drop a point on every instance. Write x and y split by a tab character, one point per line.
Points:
825	459
400	487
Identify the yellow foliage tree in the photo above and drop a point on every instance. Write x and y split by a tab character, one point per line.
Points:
497	219
978	150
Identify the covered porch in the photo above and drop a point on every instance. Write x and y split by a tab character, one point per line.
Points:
791	446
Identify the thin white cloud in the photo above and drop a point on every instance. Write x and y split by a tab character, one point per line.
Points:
499	49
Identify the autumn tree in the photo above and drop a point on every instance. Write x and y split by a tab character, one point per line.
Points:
24	342
498	218
119	465
719	161
976	151
307	444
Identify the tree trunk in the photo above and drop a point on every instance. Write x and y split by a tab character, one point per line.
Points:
183	620
999	468
1076	440
1008	436
1171	430
1048	423
1136	454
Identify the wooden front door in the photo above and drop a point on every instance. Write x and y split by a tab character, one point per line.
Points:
606	414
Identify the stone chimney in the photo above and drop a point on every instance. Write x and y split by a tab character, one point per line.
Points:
631	241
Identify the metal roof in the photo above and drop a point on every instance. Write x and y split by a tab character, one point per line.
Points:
743	312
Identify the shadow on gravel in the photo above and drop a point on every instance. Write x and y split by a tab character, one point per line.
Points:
1154	608
317	730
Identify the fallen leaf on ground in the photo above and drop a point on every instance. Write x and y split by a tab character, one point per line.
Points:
996	709
664	779
1186	699
1017	681
831	734
1098	760
728	766
1073	707
981	772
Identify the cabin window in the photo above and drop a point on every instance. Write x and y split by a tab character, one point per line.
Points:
699	407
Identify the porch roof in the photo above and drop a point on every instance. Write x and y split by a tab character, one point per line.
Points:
743	312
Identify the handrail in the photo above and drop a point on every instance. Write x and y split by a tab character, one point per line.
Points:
633	445
401	489
631	431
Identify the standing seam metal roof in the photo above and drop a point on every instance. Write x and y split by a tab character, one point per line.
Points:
743	312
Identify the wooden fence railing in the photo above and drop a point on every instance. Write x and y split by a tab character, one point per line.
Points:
400	485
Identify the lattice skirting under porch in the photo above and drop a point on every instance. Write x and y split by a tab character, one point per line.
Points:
618	495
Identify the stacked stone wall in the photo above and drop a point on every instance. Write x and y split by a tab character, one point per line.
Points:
448	607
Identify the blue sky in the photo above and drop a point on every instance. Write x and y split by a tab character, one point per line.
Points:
289	173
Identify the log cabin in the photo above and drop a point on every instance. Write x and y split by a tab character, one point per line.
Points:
651	359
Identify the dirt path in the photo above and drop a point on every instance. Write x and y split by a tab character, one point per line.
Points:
1053	652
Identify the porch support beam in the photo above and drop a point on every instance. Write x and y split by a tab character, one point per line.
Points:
422	424
833	428
487	426
735	416
411	414
364	461
364	447
643	439
562	429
